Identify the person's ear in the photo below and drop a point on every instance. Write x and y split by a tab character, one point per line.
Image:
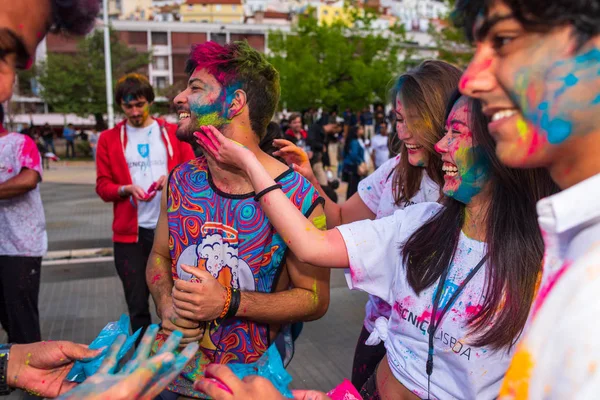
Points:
237	104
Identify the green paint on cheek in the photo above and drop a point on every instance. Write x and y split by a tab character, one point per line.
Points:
213	119
320	222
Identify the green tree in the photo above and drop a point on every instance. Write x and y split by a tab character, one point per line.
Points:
337	65
77	84
450	42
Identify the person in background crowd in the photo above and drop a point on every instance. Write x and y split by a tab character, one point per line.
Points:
295	133
366	120
23	241
316	141
380	151
94	137
69	134
48	136
354	166
133	161
379	116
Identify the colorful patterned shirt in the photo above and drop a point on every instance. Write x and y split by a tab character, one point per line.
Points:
21	217
230	237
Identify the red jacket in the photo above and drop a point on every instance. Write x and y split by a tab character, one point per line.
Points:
112	172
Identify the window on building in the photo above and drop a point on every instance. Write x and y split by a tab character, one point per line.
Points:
219	38
160	39
138	38
325	12
160	82
160	63
233	8
218	7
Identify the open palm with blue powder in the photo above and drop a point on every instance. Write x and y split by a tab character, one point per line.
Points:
143	377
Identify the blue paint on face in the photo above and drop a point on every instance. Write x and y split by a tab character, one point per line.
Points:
474	180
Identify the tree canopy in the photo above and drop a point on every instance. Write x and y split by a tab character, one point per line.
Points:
337	65
77	84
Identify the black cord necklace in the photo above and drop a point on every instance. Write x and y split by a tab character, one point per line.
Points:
435	323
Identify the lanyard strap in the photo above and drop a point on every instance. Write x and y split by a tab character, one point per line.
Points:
435	322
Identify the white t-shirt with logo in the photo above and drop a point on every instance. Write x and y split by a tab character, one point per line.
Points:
146	157
461	371
376	191
379	145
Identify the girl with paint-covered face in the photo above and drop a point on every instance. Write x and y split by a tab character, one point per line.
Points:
419	98
459	276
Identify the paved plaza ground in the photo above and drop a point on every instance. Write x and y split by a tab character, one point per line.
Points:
78	299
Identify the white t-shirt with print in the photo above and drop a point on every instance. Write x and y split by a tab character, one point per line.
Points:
376	191
461	371
379	145
146	157
22	219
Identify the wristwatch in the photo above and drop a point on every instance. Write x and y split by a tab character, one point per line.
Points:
4	356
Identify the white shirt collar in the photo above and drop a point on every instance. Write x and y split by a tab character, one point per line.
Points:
570	208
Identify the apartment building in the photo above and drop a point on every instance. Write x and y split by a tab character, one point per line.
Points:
212	11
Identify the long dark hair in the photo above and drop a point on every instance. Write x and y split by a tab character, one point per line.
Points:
352	135
514	242
424	91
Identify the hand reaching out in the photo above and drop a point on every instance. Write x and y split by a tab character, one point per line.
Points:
223	150
42	367
143	377
220	383
296	156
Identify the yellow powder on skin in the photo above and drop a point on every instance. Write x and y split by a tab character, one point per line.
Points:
516	380
320	222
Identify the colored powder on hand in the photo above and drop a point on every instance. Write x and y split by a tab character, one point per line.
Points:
269	366
344	391
85	368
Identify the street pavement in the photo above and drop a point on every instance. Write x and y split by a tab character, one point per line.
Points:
78	299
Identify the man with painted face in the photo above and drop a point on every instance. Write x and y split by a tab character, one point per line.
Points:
133	160
536	71
216	259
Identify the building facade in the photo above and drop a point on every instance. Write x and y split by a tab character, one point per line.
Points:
212	11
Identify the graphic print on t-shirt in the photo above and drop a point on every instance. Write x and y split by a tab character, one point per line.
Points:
144	150
217	253
146	157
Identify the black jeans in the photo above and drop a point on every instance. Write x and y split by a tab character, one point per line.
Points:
19	295
366	359
353	179
70	145
130	260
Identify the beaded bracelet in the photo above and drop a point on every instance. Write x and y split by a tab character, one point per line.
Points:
236	297
227	303
267	190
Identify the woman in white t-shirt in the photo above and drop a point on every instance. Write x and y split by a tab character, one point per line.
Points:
461	276
414	176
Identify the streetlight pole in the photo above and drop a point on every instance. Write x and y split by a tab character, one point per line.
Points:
108	68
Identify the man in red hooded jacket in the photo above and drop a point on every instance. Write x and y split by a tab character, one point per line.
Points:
133	161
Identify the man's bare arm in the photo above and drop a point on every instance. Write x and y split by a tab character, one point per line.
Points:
160	281
158	269
307	300
20	184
